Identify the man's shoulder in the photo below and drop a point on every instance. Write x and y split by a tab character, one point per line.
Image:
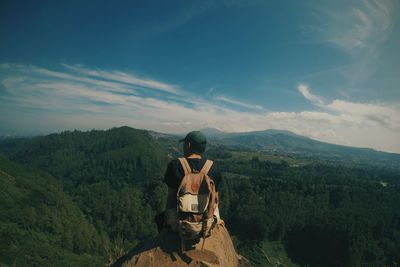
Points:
174	163
173	166
177	161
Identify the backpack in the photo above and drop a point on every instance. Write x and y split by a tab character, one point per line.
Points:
197	201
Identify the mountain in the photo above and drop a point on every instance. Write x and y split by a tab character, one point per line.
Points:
212	132
288	143
271	141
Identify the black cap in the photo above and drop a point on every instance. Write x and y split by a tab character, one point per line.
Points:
197	140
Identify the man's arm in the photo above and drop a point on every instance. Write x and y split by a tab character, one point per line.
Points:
171	198
170	181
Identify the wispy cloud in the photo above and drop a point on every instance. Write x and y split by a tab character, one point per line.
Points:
238	103
38	98
305	91
359	28
125	78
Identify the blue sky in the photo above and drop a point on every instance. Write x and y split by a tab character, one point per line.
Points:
328	70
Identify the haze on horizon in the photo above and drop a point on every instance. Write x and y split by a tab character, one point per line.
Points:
326	70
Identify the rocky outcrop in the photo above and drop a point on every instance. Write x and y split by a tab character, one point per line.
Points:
166	251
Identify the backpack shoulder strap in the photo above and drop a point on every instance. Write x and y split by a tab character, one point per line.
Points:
185	165
207	166
213	196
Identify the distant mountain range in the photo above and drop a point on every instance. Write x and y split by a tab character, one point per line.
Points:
286	142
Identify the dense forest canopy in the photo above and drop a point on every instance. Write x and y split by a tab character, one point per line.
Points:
87	197
39	224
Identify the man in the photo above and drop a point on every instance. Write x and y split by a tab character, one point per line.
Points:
194	145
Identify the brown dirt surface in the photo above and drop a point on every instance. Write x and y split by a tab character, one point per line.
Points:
166	251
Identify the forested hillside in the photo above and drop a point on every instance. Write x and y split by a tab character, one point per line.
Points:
39	224
322	214
112	176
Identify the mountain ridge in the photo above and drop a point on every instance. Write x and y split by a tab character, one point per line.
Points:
270	141
208	131
214	132
289	143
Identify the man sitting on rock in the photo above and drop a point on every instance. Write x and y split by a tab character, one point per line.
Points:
193	184
192	212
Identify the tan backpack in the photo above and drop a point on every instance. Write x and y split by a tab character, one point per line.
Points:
197	202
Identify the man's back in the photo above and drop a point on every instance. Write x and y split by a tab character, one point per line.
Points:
174	174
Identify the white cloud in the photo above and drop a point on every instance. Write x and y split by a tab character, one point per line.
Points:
305	91
123	77
387	116
356	113
359	28
238	103
363	124
36	98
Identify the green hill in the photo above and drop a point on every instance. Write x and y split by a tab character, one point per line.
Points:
39	224
113	176
120	155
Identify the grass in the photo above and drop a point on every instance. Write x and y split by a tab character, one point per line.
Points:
276	254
